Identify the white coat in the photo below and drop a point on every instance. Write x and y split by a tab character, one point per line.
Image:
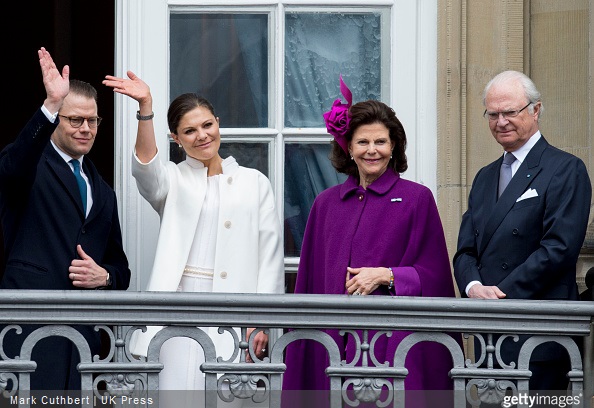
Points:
249	252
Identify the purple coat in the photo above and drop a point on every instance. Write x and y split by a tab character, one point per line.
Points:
394	223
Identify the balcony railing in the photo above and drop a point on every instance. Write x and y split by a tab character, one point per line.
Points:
122	376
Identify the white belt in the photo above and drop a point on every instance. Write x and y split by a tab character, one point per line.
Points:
195	271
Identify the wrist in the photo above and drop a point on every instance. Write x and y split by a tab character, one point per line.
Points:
391	279
52	105
139	116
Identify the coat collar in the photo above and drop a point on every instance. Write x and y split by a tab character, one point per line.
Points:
524	176
229	164
380	186
66	180
64	175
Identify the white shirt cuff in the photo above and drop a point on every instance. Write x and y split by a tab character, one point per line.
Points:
138	160
51	117
471	284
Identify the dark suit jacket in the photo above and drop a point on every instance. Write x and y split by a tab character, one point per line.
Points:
43	220
527	248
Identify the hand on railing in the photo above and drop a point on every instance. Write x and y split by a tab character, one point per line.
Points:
260	345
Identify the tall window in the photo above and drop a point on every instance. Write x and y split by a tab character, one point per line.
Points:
272	120
270	69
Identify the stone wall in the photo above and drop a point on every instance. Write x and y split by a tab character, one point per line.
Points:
549	40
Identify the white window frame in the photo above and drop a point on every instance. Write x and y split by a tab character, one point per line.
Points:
409	86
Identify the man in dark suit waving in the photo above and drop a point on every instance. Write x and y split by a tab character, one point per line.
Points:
522	240
59	217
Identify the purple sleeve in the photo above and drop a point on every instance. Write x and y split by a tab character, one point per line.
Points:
425	269
406	281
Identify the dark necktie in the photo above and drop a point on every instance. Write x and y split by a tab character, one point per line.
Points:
82	185
505	173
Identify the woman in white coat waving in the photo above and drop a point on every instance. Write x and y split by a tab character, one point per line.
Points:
220	230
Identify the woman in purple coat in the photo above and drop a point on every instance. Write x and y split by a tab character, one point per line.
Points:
376	234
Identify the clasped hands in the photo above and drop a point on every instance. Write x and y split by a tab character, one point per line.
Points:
363	281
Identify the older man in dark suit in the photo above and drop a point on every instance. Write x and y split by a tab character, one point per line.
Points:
522	240
59	217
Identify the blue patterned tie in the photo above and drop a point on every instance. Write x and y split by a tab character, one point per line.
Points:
82	185
505	173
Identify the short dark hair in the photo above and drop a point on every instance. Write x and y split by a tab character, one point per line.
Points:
366	113
82	88
182	105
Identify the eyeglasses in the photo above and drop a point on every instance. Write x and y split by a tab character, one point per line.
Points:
493	116
77	121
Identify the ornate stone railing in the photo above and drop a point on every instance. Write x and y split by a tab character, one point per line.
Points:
123	377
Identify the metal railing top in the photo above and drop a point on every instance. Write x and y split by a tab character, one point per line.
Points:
291	310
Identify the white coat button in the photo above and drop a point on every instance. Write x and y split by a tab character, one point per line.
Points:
223	275
230	180
227	224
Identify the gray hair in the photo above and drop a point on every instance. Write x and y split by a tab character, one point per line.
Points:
532	94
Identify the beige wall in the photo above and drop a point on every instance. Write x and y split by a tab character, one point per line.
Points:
548	40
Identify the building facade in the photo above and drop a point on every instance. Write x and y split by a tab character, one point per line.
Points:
429	60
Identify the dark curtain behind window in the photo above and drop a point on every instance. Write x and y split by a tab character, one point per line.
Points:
77	33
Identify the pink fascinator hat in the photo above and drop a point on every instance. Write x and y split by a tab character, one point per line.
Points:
337	118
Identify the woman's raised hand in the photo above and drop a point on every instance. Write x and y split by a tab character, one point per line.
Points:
134	87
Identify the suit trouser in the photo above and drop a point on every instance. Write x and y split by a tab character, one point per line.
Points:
549	368
56	357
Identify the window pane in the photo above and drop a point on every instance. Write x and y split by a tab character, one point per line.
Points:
223	57
308	171
253	155
176	153
318	48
